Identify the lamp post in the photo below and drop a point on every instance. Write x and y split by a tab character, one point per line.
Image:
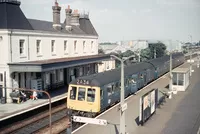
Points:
190	56
170	72
198	60
122	113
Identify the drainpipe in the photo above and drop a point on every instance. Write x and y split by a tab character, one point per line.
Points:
11	46
5	91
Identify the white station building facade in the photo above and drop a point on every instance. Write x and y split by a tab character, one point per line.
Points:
45	55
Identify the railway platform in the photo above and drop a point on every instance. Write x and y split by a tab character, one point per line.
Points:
10	110
162	121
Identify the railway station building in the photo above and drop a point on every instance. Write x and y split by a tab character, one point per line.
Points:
37	54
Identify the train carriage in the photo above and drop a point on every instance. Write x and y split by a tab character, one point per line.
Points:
93	94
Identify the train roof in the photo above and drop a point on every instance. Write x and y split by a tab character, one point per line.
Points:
110	76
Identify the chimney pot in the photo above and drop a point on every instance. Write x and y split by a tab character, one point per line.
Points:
56	16
68	12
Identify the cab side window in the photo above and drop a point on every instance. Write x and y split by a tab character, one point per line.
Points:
73	93
91	95
81	94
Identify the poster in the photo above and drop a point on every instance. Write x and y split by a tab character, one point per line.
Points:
152	101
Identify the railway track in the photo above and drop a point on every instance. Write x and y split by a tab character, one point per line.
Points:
36	122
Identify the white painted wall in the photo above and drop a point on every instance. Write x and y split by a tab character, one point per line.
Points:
10	53
106	65
45	46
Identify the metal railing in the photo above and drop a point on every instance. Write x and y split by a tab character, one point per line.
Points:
40	91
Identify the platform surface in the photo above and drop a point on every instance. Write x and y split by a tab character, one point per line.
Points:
159	121
9	110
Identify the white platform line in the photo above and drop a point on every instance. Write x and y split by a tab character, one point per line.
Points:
27	110
125	100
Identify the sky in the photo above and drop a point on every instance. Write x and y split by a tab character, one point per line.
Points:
117	20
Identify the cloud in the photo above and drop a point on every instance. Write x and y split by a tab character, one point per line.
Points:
103	10
134	11
147	10
181	3
36	2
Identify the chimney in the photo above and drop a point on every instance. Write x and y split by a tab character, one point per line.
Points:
56	16
68	12
75	18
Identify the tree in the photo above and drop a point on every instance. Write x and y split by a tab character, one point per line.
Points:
145	54
159	48
100	51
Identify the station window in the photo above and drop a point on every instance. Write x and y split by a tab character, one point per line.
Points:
180	79
91	95
81	94
21	47
1	77
73	93
174	78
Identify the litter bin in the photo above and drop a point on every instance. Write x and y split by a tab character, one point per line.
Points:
3	100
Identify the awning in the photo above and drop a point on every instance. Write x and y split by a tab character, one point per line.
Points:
52	64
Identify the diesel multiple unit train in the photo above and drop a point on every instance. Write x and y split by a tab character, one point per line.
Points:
90	95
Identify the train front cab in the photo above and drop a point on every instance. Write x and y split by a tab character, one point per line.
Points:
83	98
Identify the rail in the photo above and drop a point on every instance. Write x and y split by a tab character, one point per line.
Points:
40	91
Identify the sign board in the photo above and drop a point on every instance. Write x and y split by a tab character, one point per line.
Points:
82	82
124	107
192	61
148	103
89	120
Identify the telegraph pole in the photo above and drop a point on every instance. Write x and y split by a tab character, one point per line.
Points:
122	113
123	106
190	57
170	73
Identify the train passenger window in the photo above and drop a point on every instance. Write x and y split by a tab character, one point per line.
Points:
109	89
81	94
73	93
91	95
101	94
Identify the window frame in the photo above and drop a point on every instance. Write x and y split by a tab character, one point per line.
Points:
38	45
53	48
75	46
84	46
75	87
65	46
85	89
93	93
1	77
92	46
22	48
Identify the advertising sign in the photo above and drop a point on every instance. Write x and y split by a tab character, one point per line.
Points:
148	105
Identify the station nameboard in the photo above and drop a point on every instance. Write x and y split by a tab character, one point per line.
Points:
90	120
82	82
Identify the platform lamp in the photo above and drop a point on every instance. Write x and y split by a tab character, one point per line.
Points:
170	72
190	56
122	113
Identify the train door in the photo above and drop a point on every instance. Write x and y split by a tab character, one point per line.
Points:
144	78
133	81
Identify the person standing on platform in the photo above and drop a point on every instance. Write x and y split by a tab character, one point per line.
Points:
35	95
